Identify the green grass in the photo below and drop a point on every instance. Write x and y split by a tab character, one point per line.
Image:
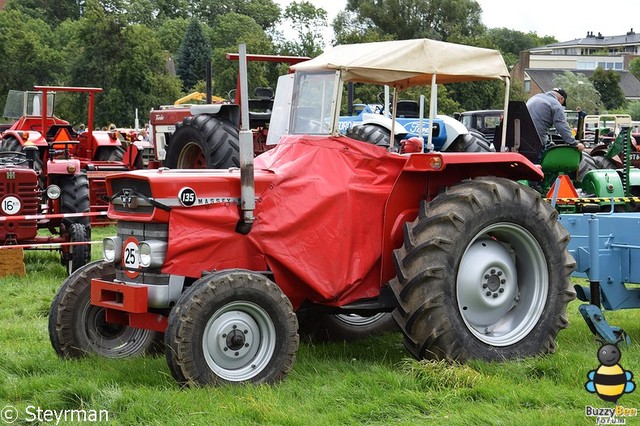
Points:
372	382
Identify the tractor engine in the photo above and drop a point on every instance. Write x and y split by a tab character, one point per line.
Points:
18	196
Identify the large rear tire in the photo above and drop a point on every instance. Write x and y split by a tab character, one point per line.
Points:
11	144
77	328
231	327
483	274
79	253
370	133
471	142
204	142
587	163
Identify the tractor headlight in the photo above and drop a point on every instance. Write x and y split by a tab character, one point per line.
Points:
152	253
53	192
112	249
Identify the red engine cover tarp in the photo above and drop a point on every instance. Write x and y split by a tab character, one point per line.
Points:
318	225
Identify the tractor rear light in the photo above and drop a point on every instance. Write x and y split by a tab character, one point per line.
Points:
112	249
53	192
152	253
71	168
25	136
435	162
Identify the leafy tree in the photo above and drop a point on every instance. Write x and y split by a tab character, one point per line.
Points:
349	28
510	42
228	32
264	12
51	12
607	83
580	91
193	54
445	20
28	58
171	32
633	109
634	67
308	22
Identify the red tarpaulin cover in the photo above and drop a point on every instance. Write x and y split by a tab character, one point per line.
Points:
318	225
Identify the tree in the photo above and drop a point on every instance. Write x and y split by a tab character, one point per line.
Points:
308	22
171	33
51	12
264	12
607	83
634	67
349	28
580	91
446	20
510	42
193	54
28	58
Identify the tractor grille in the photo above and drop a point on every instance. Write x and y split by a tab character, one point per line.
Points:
142	231
126	200
19	184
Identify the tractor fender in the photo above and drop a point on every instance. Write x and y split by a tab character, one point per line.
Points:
62	167
453	129
102	138
230	112
33	136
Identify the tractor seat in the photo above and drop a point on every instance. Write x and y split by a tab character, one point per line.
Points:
560	159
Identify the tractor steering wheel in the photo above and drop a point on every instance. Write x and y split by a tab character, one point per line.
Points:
12	157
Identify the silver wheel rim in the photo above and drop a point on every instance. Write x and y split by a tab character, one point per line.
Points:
356	320
111	340
502	284
239	341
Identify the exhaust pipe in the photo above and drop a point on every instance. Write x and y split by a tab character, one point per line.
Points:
247	190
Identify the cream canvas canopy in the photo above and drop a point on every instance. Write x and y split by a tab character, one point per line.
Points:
406	63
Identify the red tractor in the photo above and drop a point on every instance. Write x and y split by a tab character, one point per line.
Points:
223	264
204	136
99	152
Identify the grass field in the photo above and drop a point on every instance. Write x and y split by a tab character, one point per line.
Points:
372	382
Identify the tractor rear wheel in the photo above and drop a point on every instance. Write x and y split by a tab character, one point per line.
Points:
231	327
75	198
10	143
587	163
370	133
110	153
77	328
471	142
483	274
347	327
204	142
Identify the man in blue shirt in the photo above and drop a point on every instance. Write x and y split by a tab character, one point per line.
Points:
547	110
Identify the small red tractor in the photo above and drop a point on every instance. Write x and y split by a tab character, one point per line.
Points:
189	137
99	152
225	265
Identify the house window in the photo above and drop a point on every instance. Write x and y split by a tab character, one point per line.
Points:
527	86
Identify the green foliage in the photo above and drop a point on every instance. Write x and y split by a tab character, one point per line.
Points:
28	54
308	22
264	12
633	109
193	54
510	42
52	12
607	83
446	20
171	33
349	28
580	91
634	67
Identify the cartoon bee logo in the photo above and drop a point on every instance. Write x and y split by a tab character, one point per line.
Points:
609	381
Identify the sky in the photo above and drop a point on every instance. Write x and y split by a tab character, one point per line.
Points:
562	19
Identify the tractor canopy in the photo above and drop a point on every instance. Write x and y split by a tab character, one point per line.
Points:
406	63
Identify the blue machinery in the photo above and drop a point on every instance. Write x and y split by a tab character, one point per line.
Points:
606	247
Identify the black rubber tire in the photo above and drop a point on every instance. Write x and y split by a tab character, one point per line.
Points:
76	328
218	305
346	328
370	133
204	142
471	143
75	198
110	153
603	162
79	254
587	163
10	143
432	282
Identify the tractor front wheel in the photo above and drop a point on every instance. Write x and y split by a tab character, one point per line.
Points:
231	327
204	142
77	328
483	274
79	253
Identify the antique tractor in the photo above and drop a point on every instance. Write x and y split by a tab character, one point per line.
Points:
221	264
